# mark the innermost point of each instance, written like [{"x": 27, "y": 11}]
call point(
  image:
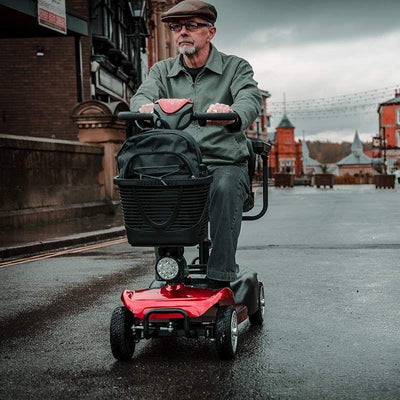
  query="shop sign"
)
[{"x": 51, "y": 14}]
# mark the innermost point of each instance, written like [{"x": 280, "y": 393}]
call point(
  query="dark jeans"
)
[{"x": 229, "y": 189}]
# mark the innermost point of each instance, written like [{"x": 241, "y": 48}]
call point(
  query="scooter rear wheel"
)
[
  {"x": 121, "y": 336},
  {"x": 226, "y": 332},
  {"x": 257, "y": 318}
]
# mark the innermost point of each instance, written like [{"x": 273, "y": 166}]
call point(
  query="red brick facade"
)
[
  {"x": 389, "y": 132},
  {"x": 78, "y": 6},
  {"x": 390, "y": 121},
  {"x": 286, "y": 155},
  {"x": 40, "y": 91}
]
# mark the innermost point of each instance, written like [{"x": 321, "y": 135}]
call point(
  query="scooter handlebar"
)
[
  {"x": 201, "y": 117},
  {"x": 135, "y": 116},
  {"x": 214, "y": 116}
]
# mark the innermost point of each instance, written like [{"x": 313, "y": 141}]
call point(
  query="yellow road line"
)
[{"x": 62, "y": 252}]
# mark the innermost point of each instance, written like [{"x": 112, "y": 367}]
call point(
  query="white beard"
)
[{"x": 187, "y": 50}]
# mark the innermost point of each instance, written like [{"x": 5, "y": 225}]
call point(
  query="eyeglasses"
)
[{"x": 190, "y": 26}]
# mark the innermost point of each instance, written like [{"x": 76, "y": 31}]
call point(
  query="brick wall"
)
[
  {"x": 356, "y": 169},
  {"x": 78, "y": 6},
  {"x": 49, "y": 180},
  {"x": 86, "y": 62},
  {"x": 38, "y": 93},
  {"x": 389, "y": 120},
  {"x": 48, "y": 172}
]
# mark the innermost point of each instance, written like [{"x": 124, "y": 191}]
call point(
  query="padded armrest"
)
[{"x": 260, "y": 147}]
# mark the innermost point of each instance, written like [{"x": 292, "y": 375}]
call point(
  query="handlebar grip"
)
[
  {"x": 215, "y": 116},
  {"x": 135, "y": 116}
]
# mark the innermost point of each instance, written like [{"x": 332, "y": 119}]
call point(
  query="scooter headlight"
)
[{"x": 167, "y": 268}]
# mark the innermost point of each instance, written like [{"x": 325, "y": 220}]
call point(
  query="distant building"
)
[
  {"x": 259, "y": 128},
  {"x": 356, "y": 163},
  {"x": 389, "y": 132},
  {"x": 310, "y": 166},
  {"x": 286, "y": 154}
]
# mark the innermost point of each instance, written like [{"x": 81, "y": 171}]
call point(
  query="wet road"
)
[{"x": 331, "y": 267}]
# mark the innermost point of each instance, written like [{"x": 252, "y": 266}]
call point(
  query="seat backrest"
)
[{"x": 249, "y": 202}]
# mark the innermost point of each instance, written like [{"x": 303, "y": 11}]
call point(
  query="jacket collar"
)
[{"x": 214, "y": 63}]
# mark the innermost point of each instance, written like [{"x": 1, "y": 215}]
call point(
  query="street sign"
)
[{"x": 51, "y": 14}]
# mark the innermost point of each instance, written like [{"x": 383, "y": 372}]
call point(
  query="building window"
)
[
  {"x": 107, "y": 20},
  {"x": 119, "y": 34},
  {"x": 287, "y": 165},
  {"x": 101, "y": 17},
  {"x": 398, "y": 138},
  {"x": 398, "y": 116}
]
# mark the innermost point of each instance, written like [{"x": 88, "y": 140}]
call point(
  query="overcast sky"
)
[{"x": 316, "y": 49}]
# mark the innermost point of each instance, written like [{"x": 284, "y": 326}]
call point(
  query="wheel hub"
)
[
  {"x": 262, "y": 300},
  {"x": 234, "y": 330}
]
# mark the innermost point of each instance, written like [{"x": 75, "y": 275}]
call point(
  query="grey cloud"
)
[{"x": 308, "y": 20}]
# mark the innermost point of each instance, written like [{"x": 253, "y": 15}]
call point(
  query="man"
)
[{"x": 215, "y": 82}]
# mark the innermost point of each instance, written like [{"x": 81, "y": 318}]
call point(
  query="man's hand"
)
[
  {"x": 147, "y": 108},
  {"x": 220, "y": 108}
]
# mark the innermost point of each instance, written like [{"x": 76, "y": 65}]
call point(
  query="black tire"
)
[
  {"x": 226, "y": 332},
  {"x": 257, "y": 318},
  {"x": 121, "y": 336}
]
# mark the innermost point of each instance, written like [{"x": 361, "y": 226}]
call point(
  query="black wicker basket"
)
[{"x": 161, "y": 214}]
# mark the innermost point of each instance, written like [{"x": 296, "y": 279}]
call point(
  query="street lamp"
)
[{"x": 137, "y": 10}]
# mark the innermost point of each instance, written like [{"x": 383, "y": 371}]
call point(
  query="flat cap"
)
[{"x": 191, "y": 8}]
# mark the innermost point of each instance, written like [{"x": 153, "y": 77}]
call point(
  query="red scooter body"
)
[{"x": 196, "y": 302}]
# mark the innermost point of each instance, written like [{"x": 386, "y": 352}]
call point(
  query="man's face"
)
[{"x": 191, "y": 42}]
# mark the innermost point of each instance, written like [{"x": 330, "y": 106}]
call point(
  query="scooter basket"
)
[{"x": 160, "y": 214}]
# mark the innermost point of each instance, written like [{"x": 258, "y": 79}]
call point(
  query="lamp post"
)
[{"x": 137, "y": 9}]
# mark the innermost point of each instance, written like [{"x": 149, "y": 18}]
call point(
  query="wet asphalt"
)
[{"x": 330, "y": 264}]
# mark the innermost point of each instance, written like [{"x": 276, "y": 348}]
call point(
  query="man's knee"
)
[
  {"x": 224, "y": 183},
  {"x": 228, "y": 183}
]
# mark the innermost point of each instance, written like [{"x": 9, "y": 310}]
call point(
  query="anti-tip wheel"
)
[
  {"x": 257, "y": 318},
  {"x": 226, "y": 332},
  {"x": 121, "y": 335}
]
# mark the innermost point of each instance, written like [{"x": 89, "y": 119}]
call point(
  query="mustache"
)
[{"x": 185, "y": 41}]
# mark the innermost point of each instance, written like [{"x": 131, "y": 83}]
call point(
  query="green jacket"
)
[{"x": 225, "y": 79}]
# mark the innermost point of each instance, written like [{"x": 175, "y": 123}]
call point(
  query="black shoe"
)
[{"x": 213, "y": 284}]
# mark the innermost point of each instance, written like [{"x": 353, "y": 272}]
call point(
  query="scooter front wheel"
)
[
  {"x": 257, "y": 318},
  {"x": 226, "y": 332},
  {"x": 121, "y": 335}
]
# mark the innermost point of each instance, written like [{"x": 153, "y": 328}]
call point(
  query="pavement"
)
[
  {"x": 31, "y": 240},
  {"x": 36, "y": 239},
  {"x": 329, "y": 261}
]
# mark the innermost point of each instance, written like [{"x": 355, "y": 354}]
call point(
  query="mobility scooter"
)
[{"x": 164, "y": 189}]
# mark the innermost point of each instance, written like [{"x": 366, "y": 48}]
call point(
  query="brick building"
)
[
  {"x": 102, "y": 56},
  {"x": 286, "y": 154},
  {"x": 388, "y": 140},
  {"x": 71, "y": 87}
]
